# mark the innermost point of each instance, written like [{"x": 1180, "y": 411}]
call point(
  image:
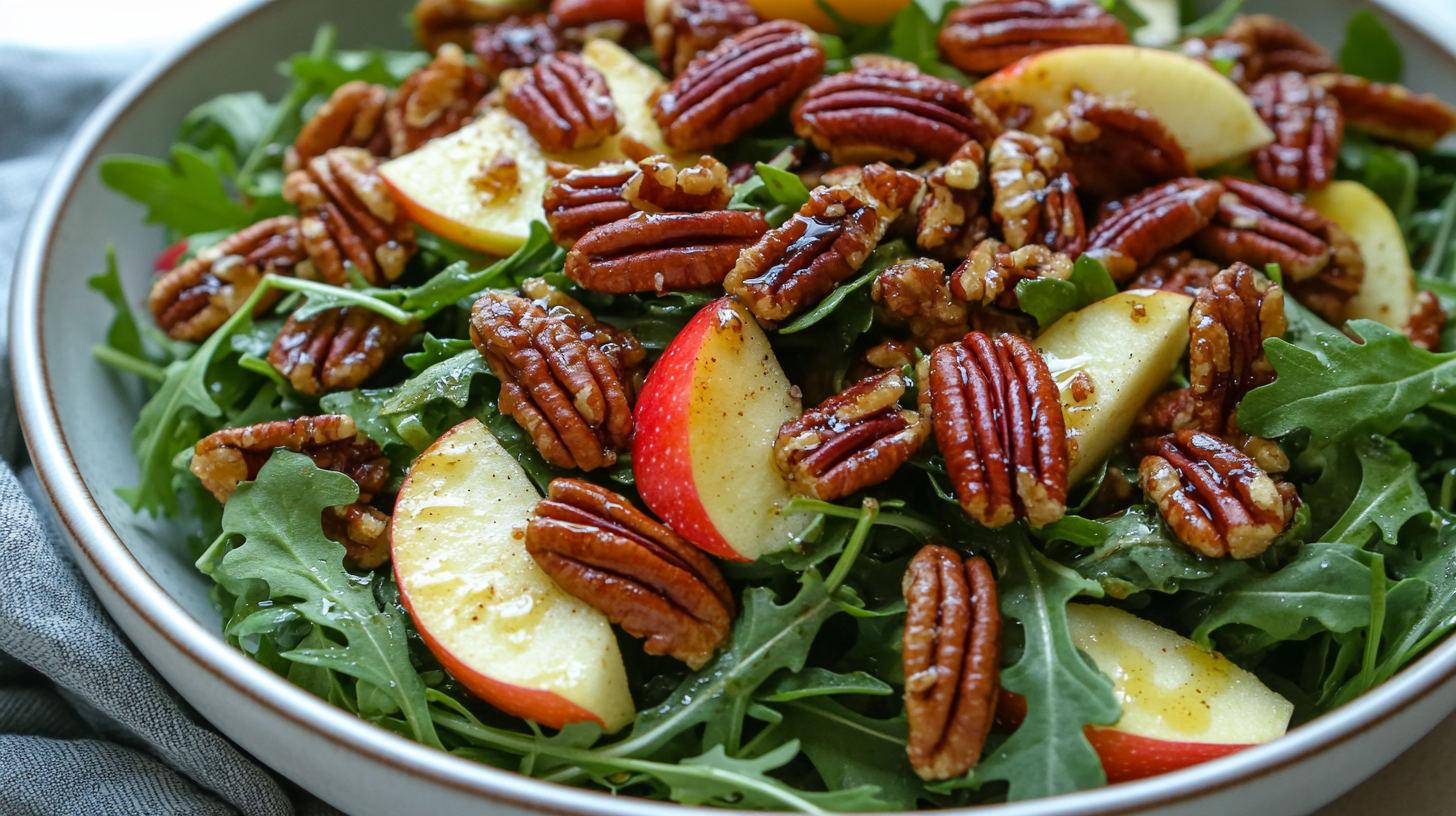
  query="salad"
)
[{"x": 814, "y": 407}]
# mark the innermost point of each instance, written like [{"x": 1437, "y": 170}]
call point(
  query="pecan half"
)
[
  {"x": 348, "y": 216},
  {"x": 990, "y": 273},
  {"x": 918, "y": 291},
  {"x": 738, "y": 85},
  {"x": 364, "y": 532},
  {"x": 353, "y": 116},
  {"x": 191, "y": 301},
  {"x": 440, "y": 21},
  {"x": 1216, "y": 498},
  {"x": 1133, "y": 231},
  {"x": 683, "y": 29},
  {"x": 584, "y": 199},
  {"x": 578, "y": 13},
  {"x": 856, "y": 438},
  {"x": 515, "y": 42},
  {"x": 336, "y": 349},
  {"x": 998, "y": 421},
  {"x": 952, "y": 660},
  {"x": 1176, "y": 272},
  {"x": 1034, "y": 197},
  {"x": 1230, "y": 321},
  {"x": 1260, "y": 225},
  {"x": 826, "y": 241},
  {"x": 984, "y": 37},
  {"x": 1270, "y": 45},
  {"x": 1116, "y": 148},
  {"x": 659, "y": 186},
  {"x": 889, "y": 112},
  {"x": 434, "y": 101},
  {"x": 1308, "y": 129},
  {"x": 563, "y": 101},
  {"x": 597, "y": 546},
  {"x": 663, "y": 252},
  {"x": 1426, "y": 322},
  {"x": 948, "y": 222},
  {"x": 1390, "y": 111},
  {"x": 567, "y": 379}
]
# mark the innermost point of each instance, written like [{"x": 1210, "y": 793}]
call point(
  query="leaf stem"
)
[
  {"x": 122, "y": 361},
  {"x": 912, "y": 524},
  {"x": 288, "y": 106},
  {"x": 1377, "y": 620},
  {"x": 350, "y": 296},
  {"x": 869, "y": 512}
]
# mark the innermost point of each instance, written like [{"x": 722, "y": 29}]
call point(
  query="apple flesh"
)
[
  {"x": 1205, "y": 111},
  {"x": 1128, "y": 344},
  {"x": 1388, "y": 292},
  {"x": 706, "y": 420},
  {"x": 495, "y": 621}
]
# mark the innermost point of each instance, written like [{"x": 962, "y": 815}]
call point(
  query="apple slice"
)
[
  {"x": 487, "y": 612},
  {"x": 1388, "y": 293},
  {"x": 1128, "y": 344},
  {"x": 808, "y": 12},
  {"x": 436, "y": 184},
  {"x": 706, "y": 420},
  {"x": 1207, "y": 113}
]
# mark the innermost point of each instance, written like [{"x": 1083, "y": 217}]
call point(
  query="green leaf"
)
[
  {"x": 851, "y": 750},
  {"x": 1369, "y": 50},
  {"x": 236, "y": 122},
  {"x": 1047, "y": 299},
  {"x": 537, "y": 257},
  {"x": 378, "y": 66},
  {"x": 1441, "y": 262},
  {"x": 1390, "y": 495},
  {"x": 1390, "y": 172},
  {"x": 1124, "y": 12},
  {"x": 122, "y": 334},
  {"x": 185, "y": 195},
  {"x": 1139, "y": 555},
  {"x": 883, "y": 256},
  {"x": 935, "y": 10},
  {"x": 1215, "y": 21},
  {"x": 435, "y": 351},
  {"x": 1431, "y": 559},
  {"x": 449, "y": 380},
  {"x": 278, "y": 516},
  {"x": 816, "y": 682},
  {"x": 782, "y": 186}
]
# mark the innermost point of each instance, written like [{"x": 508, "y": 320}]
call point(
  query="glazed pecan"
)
[
  {"x": 890, "y": 354},
  {"x": 983, "y": 37},
  {"x": 346, "y": 215},
  {"x": 1426, "y": 322},
  {"x": 952, "y": 659},
  {"x": 826, "y": 241},
  {"x": 1116, "y": 148},
  {"x": 518, "y": 41},
  {"x": 440, "y": 21},
  {"x": 918, "y": 291},
  {"x": 1216, "y": 498},
  {"x": 990, "y": 273},
  {"x": 1166, "y": 413},
  {"x": 584, "y": 199},
  {"x": 1308, "y": 129},
  {"x": 1389, "y": 111},
  {"x": 948, "y": 222},
  {"x": 1269, "y": 45},
  {"x": 336, "y": 349},
  {"x": 663, "y": 252},
  {"x": 738, "y": 85},
  {"x": 886, "y": 111},
  {"x": 998, "y": 421},
  {"x": 1230, "y": 321},
  {"x": 1260, "y": 225},
  {"x": 659, "y": 186},
  {"x": 563, "y": 101},
  {"x": 436, "y": 100},
  {"x": 567, "y": 379},
  {"x": 597, "y": 546},
  {"x": 1033, "y": 195},
  {"x": 353, "y": 116},
  {"x": 577, "y": 13},
  {"x": 364, "y": 532},
  {"x": 1176, "y": 272},
  {"x": 683, "y": 29},
  {"x": 1133, "y": 231},
  {"x": 192, "y": 300}
]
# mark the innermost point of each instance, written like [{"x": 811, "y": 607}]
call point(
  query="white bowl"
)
[{"x": 77, "y": 416}]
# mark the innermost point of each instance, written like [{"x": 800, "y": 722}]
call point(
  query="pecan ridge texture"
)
[
  {"x": 948, "y": 220},
  {"x": 660, "y": 186},
  {"x": 662, "y": 252},
  {"x": 563, "y": 101},
  {"x": 918, "y": 291},
  {"x": 683, "y": 29},
  {"x": 434, "y": 101},
  {"x": 347, "y": 216},
  {"x": 983, "y": 37},
  {"x": 1390, "y": 111},
  {"x": 1230, "y": 320},
  {"x": 1134, "y": 230},
  {"x": 336, "y": 349},
  {"x": 353, "y": 116},
  {"x": 1115, "y": 148},
  {"x": 587, "y": 198},
  {"x": 515, "y": 42},
  {"x": 989, "y": 274},
  {"x": 1033, "y": 196},
  {"x": 1308, "y": 129}
]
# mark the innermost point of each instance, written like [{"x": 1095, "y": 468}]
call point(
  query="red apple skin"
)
[{"x": 167, "y": 261}]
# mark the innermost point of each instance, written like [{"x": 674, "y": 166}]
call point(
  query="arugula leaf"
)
[
  {"x": 1369, "y": 50},
  {"x": 772, "y": 189},
  {"x": 537, "y": 257},
  {"x": 236, "y": 122},
  {"x": 185, "y": 195},
  {"x": 1215, "y": 22},
  {"x": 449, "y": 380},
  {"x": 817, "y": 682},
  {"x": 1441, "y": 262},
  {"x": 122, "y": 335},
  {"x": 1047, "y": 299},
  {"x": 1124, "y": 12},
  {"x": 883, "y": 256},
  {"x": 377, "y": 66},
  {"x": 851, "y": 750},
  {"x": 1390, "y": 495},
  {"x": 913, "y": 33},
  {"x": 1430, "y": 558},
  {"x": 1390, "y": 172},
  {"x": 1139, "y": 555},
  {"x": 435, "y": 351}
]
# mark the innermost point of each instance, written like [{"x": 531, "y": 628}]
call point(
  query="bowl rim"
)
[{"x": 110, "y": 560}]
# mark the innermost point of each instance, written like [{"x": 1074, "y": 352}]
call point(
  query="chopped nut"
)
[
  {"x": 990, "y": 273},
  {"x": 918, "y": 291},
  {"x": 1308, "y": 129},
  {"x": 336, "y": 349},
  {"x": 1133, "y": 231},
  {"x": 563, "y": 101},
  {"x": 434, "y": 101},
  {"x": 948, "y": 221},
  {"x": 1425, "y": 324},
  {"x": 683, "y": 29},
  {"x": 584, "y": 199},
  {"x": 1390, "y": 111},
  {"x": 663, "y": 252},
  {"x": 1115, "y": 148},
  {"x": 498, "y": 180},
  {"x": 347, "y": 215},
  {"x": 659, "y": 186},
  {"x": 984, "y": 37},
  {"x": 1034, "y": 198},
  {"x": 353, "y": 116}
]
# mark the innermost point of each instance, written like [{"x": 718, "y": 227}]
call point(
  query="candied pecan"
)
[
  {"x": 1033, "y": 197},
  {"x": 1175, "y": 272},
  {"x": 890, "y": 354},
  {"x": 497, "y": 180},
  {"x": 1132, "y": 231},
  {"x": 434, "y": 101},
  {"x": 990, "y": 273},
  {"x": 515, "y": 42},
  {"x": 998, "y": 421},
  {"x": 983, "y": 37},
  {"x": 348, "y": 216},
  {"x": 578, "y": 13},
  {"x": 1230, "y": 321},
  {"x": 1389, "y": 111},
  {"x": 234, "y": 455},
  {"x": 353, "y": 116},
  {"x": 440, "y": 21},
  {"x": 917, "y": 291},
  {"x": 952, "y": 660},
  {"x": 563, "y": 101},
  {"x": 1216, "y": 498},
  {"x": 1260, "y": 225},
  {"x": 683, "y": 29},
  {"x": 659, "y": 186},
  {"x": 1270, "y": 45},
  {"x": 192, "y": 300},
  {"x": 336, "y": 349},
  {"x": 1308, "y": 129},
  {"x": 948, "y": 222},
  {"x": 1167, "y": 412},
  {"x": 364, "y": 532},
  {"x": 738, "y": 85},
  {"x": 584, "y": 199},
  {"x": 662, "y": 252},
  {"x": 1425, "y": 323},
  {"x": 1116, "y": 148},
  {"x": 567, "y": 379},
  {"x": 597, "y": 546},
  {"x": 891, "y": 113},
  {"x": 826, "y": 241}
]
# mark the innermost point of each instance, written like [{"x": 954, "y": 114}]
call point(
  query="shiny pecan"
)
[
  {"x": 948, "y": 222},
  {"x": 498, "y": 179},
  {"x": 364, "y": 532},
  {"x": 738, "y": 85},
  {"x": 683, "y": 29},
  {"x": 353, "y": 116},
  {"x": 1116, "y": 148},
  {"x": 1260, "y": 225},
  {"x": 579, "y": 13},
  {"x": 434, "y": 101},
  {"x": 659, "y": 186},
  {"x": 584, "y": 199},
  {"x": 1270, "y": 45},
  {"x": 1308, "y": 129},
  {"x": 1390, "y": 111},
  {"x": 440, "y": 21},
  {"x": 889, "y": 112},
  {"x": 563, "y": 101},
  {"x": 856, "y": 438},
  {"x": 1176, "y": 272},
  {"x": 1033, "y": 197},
  {"x": 336, "y": 349},
  {"x": 1216, "y": 498},
  {"x": 663, "y": 252},
  {"x": 1426, "y": 322},
  {"x": 597, "y": 546},
  {"x": 565, "y": 378},
  {"x": 826, "y": 241},
  {"x": 1166, "y": 413},
  {"x": 1133, "y": 231},
  {"x": 191, "y": 301},
  {"x": 919, "y": 292},
  {"x": 952, "y": 660},
  {"x": 984, "y": 37},
  {"x": 990, "y": 273},
  {"x": 518, "y": 41},
  {"x": 1230, "y": 321},
  {"x": 998, "y": 421},
  {"x": 346, "y": 215}
]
